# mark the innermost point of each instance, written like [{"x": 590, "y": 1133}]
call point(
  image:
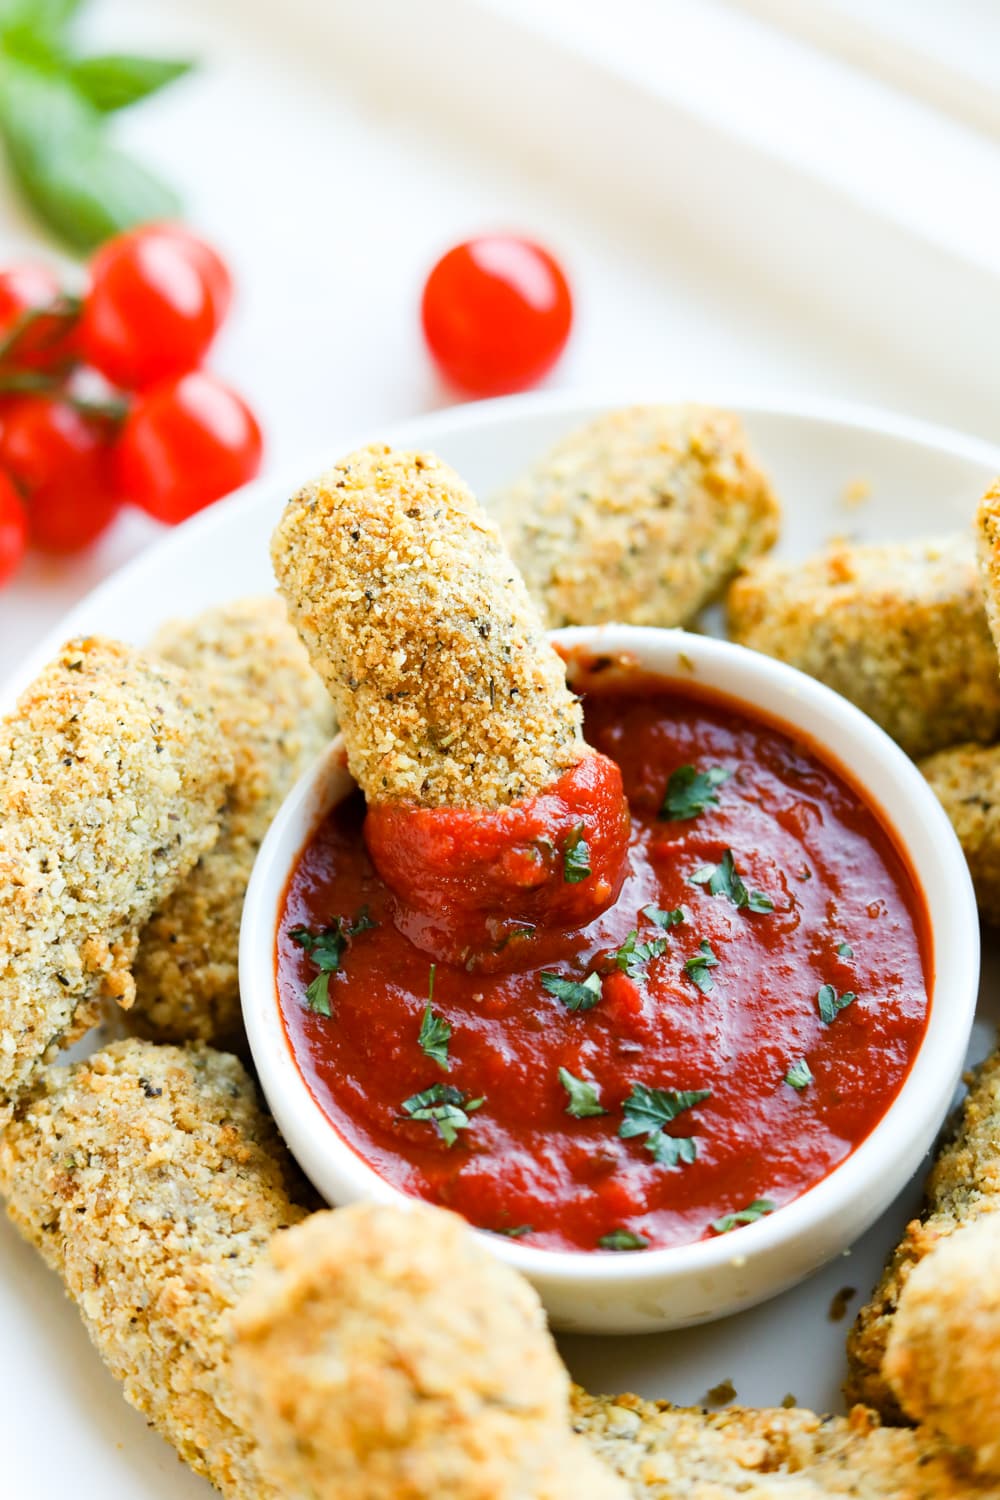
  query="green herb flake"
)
[
  {"x": 435, "y": 1033},
  {"x": 723, "y": 879},
  {"x": 665, "y": 919},
  {"x": 697, "y": 968},
  {"x": 623, "y": 1239},
  {"x": 749, "y": 1215},
  {"x": 799, "y": 1075},
  {"x": 447, "y": 1107},
  {"x": 672, "y": 1150},
  {"x": 572, "y": 993},
  {"x": 515, "y": 1231},
  {"x": 845, "y": 950},
  {"x": 576, "y": 857},
  {"x": 647, "y": 1110},
  {"x": 326, "y": 949},
  {"x": 690, "y": 792},
  {"x": 633, "y": 956},
  {"x": 830, "y": 1004},
  {"x": 584, "y": 1100}
]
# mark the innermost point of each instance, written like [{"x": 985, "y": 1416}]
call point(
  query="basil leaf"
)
[
  {"x": 573, "y": 994},
  {"x": 447, "y": 1107},
  {"x": 845, "y": 950},
  {"x": 584, "y": 1099},
  {"x": 576, "y": 857},
  {"x": 40, "y": 18},
  {"x": 647, "y": 1110},
  {"x": 697, "y": 968},
  {"x": 633, "y": 956},
  {"x": 690, "y": 792},
  {"x": 749, "y": 1215},
  {"x": 435, "y": 1033},
  {"x": 118, "y": 79},
  {"x": 325, "y": 949},
  {"x": 672, "y": 1150},
  {"x": 799, "y": 1075},
  {"x": 318, "y": 995},
  {"x": 723, "y": 879},
  {"x": 830, "y": 1004},
  {"x": 665, "y": 919},
  {"x": 623, "y": 1239}
]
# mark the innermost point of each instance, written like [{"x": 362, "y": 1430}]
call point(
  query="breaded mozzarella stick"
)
[
  {"x": 899, "y": 629},
  {"x": 966, "y": 781},
  {"x": 276, "y": 717},
  {"x": 151, "y": 1181},
  {"x": 447, "y": 692},
  {"x": 385, "y": 1355},
  {"x": 642, "y": 516},
  {"x": 113, "y": 775},
  {"x": 988, "y": 555}
]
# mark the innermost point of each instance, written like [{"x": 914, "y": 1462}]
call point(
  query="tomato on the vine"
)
[
  {"x": 13, "y": 530},
  {"x": 59, "y": 459},
  {"x": 37, "y": 320},
  {"x": 496, "y": 312},
  {"x": 157, "y": 297},
  {"x": 184, "y": 444}
]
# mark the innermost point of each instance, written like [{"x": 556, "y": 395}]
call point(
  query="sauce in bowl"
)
[{"x": 712, "y": 1045}]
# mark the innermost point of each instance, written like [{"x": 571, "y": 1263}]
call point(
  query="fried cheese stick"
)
[
  {"x": 899, "y": 629},
  {"x": 276, "y": 717},
  {"x": 385, "y": 1355},
  {"x": 964, "y": 1185},
  {"x": 988, "y": 555},
  {"x": 641, "y": 516},
  {"x": 151, "y": 1180},
  {"x": 943, "y": 1354},
  {"x": 447, "y": 691},
  {"x": 966, "y": 781},
  {"x": 113, "y": 775}
]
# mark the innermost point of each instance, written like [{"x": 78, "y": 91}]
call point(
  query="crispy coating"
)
[
  {"x": 988, "y": 554},
  {"x": 151, "y": 1181},
  {"x": 944, "y": 1346},
  {"x": 113, "y": 775},
  {"x": 642, "y": 516},
  {"x": 385, "y": 1355},
  {"x": 420, "y": 625},
  {"x": 964, "y": 1184},
  {"x": 899, "y": 629},
  {"x": 276, "y": 717},
  {"x": 967, "y": 783},
  {"x": 671, "y": 1453}
]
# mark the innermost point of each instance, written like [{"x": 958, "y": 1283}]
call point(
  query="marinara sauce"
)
[{"x": 742, "y": 1015}]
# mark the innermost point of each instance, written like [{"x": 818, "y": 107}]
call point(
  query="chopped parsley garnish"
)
[
  {"x": 325, "y": 950},
  {"x": 435, "y": 1032},
  {"x": 633, "y": 956},
  {"x": 672, "y": 1150},
  {"x": 515, "y": 1231},
  {"x": 646, "y": 1111},
  {"x": 697, "y": 968},
  {"x": 830, "y": 1004},
  {"x": 664, "y": 919},
  {"x": 584, "y": 1099},
  {"x": 723, "y": 879},
  {"x": 623, "y": 1239},
  {"x": 749, "y": 1215},
  {"x": 447, "y": 1107},
  {"x": 799, "y": 1075},
  {"x": 576, "y": 857},
  {"x": 845, "y": 950},
  {"x": 690, "y": 792},
  {"x": 575, "y": 995}
]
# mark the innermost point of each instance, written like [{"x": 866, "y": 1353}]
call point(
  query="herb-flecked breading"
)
[
  {"x": 113, "y": 775},
  {"x": 898, "y": 628},
  {"x": 276, "y": 717},
  {"x": 642, "y": 516},
  {"x": 669, "y": 1452},
  {"x": 383, "y": 1353},
  {"x": 447, "y": 692},
  {"x": 966, "y": 781},
  {"x": 988, "y": 555},
  {"x": 963, "y": 1185},
  {"x": 151, "y": 1180}
]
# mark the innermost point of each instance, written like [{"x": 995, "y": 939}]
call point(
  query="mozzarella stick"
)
[
  {"x": 899, "y": 629},
  {"x": 447, "y": 692},
  {"x": 641, "y": 516},
  {"x": 113, "y": 775},
  {"x": 943, "y": 1354},
  {"x": 967, "y": 783},
  {"x": 964, "y": 1185},
  {"x": 988, "y": 555},
  {"x": 151, "y": 1181},
  {"x": 385, "y": 1355},
  {"x": 276, "y": 717}
]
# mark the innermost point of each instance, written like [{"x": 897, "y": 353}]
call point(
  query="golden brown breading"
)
[
  {"x": 963, "y": 1185},
  {"x": 112, "y": 778},
  {"x": 276, "y": 716},
  {"x": 420, "y": 625},
  {"x": 384, "y": 1354},
  {"x": 899, "y": 629},
  {"x": 943, "y": 1355},
  {"x": 642, "y": 516},
  {"x": 988, "y": 553},
  {"x": 151, "y": 1180},
  {"x": 672, "y": 1453},
  {"x": 967, "y": 783}
]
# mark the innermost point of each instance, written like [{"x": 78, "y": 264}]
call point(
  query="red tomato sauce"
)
[{"x": 813, "y": 905}]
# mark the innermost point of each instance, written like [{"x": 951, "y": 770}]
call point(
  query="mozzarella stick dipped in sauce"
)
[
  {"x": 113, "y": 776},
  {"x": 384, "y": 1355},
  {"x": 457, "y": 720}
]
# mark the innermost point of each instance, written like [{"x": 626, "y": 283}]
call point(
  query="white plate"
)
[{"x": 63, "y": 1425}]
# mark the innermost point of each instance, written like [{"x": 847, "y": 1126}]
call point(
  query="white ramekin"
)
[{"x": 686, "y": 1284}]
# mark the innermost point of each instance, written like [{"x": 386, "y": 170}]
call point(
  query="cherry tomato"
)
[
  {"x": 157, "y": 298},
  {"x": 13, "y": 530},
  {"x": 186, "y": 443},
  {"x": 60, "y": 460},
  {"x": 30, "y": 338},
  {"x": 496, "y": 313}
]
